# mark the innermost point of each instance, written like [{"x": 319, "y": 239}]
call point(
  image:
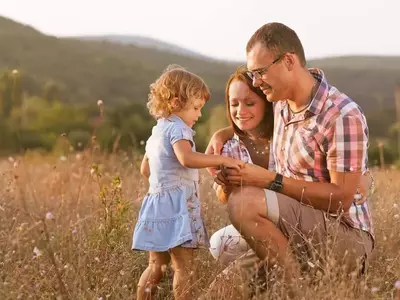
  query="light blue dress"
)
[{"x": 170, "y": 212}]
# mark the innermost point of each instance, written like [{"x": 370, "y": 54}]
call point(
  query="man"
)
[{"x": 304, "y": 215}]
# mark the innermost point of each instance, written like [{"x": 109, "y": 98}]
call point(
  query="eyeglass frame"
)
[{"x": 259, "y": 73}]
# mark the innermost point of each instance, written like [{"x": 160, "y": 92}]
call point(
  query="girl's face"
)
[
  {"x": 246, "y": 107},
  {"x": 191, "y": 112}
]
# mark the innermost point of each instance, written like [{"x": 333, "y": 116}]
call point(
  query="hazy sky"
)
[{"x": 221, "y": 28}]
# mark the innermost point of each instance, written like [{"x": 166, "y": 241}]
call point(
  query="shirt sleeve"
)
[
  {"x": 347, "y": 145},
  {"x": 181, "y": 133}
]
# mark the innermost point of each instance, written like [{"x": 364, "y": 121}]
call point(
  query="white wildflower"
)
[
  {"x": 63, "y": 158},
  {"x": 11, "y": 159},
  {"x": 311, "y": 264},
  {"x": 374, "y": 289},
  {"x": 397, "y": 285},
  {"x": 164, "y": 268},
  {"x": 49, "y": 216},
  {"x": 37, "y": 252},
  {"x": 100, "y": 102}
]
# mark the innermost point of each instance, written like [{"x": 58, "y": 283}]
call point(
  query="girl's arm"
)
[
  {"x": 190, "y": 159},
  {"x": 144, "y": 167}
]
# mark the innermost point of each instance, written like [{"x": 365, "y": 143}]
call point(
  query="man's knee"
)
[{"x": 245, "y": 204}]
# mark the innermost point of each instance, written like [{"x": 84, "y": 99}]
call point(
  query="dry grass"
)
[{"x": 66, "y": 229}]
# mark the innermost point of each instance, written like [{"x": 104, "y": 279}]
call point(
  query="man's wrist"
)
[{"x": 277, "y": 184}]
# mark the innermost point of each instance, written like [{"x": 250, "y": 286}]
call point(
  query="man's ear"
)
[{"x": 290, "y": 60}]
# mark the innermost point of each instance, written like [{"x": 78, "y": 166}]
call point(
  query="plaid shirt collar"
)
[{"x": 319, "y": 99}]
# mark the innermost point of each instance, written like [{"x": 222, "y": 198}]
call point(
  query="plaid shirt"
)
[{"x": 331, "y": 135}]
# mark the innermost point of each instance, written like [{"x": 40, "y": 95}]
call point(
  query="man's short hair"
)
[{"x": 278, "y": 38}]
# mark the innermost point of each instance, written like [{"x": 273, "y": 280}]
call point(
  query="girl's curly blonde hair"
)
[{"x": 175, "y": 82}]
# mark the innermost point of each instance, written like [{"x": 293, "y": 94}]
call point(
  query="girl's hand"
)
[{"x": 233, "y": 163}]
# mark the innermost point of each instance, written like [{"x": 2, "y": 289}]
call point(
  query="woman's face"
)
[{"x": 246, "y": 107}]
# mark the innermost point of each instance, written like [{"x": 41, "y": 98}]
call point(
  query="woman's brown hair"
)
[{"x": 266, "y": 126}]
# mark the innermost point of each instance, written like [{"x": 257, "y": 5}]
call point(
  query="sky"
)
[{"x": 221, "y": 28}]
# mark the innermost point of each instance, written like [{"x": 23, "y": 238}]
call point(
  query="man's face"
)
[{"x": 272, "y": 77}]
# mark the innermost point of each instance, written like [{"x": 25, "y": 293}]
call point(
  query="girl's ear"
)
[{"x": 174, "y": 103}]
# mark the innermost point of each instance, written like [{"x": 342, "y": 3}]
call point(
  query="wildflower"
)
[
  {"x": 164, "y": 268},
  {"x": 100, "y": 103},
  {"x": 397, "y": 285},
  {"x": 63, "y": 158},
  {"x": 374, "y": 289},
  {"x": 37, "y": 252},
  {"x": 49, "y": 216},
  {"x": 11, "y": 159}
]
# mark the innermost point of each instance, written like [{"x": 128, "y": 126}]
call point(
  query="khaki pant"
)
[{"x": 316, "y": 238}]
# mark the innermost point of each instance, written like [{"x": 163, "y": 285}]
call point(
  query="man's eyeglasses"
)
[{"x": 259, "y": 73}]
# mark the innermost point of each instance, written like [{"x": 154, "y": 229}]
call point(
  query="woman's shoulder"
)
[{"x": 235, "y": 148}]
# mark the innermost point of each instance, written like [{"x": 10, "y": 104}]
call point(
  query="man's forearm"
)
[{"x": 321, "y": 195}]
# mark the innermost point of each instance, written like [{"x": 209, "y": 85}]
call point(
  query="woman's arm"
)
[
  {"x": 216, "y": 144},
  {"x": 144, "y": 167}
]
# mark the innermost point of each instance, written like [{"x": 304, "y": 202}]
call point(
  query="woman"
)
[{"x": 251, "y": 117}]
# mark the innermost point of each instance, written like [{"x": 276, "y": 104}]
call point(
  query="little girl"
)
[{"x": 169, "y": 224}]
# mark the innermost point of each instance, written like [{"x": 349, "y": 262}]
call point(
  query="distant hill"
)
[
  {"x": 120, "y": 69},
  {"x": 142, "y": 41}
]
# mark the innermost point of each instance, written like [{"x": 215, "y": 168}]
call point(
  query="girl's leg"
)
[
  {"x": 185, "y": 273},
  {"x": 147, "y": 286}
]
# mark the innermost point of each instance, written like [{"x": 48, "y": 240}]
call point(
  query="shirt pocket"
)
[{"x": 303, "y": 148}]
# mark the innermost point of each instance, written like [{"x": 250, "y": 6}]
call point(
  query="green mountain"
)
[{"x": 120, "y": 69}]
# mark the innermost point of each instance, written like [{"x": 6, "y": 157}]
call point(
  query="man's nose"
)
[{"x": 256, "y": 81}]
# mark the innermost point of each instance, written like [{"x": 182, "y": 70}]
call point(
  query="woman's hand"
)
[
  {"x": 250, "y": 174},
  {"x": 216, "y": 144}
]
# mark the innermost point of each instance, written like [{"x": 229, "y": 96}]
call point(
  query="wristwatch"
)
[{"x": 277, "y": 184}]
